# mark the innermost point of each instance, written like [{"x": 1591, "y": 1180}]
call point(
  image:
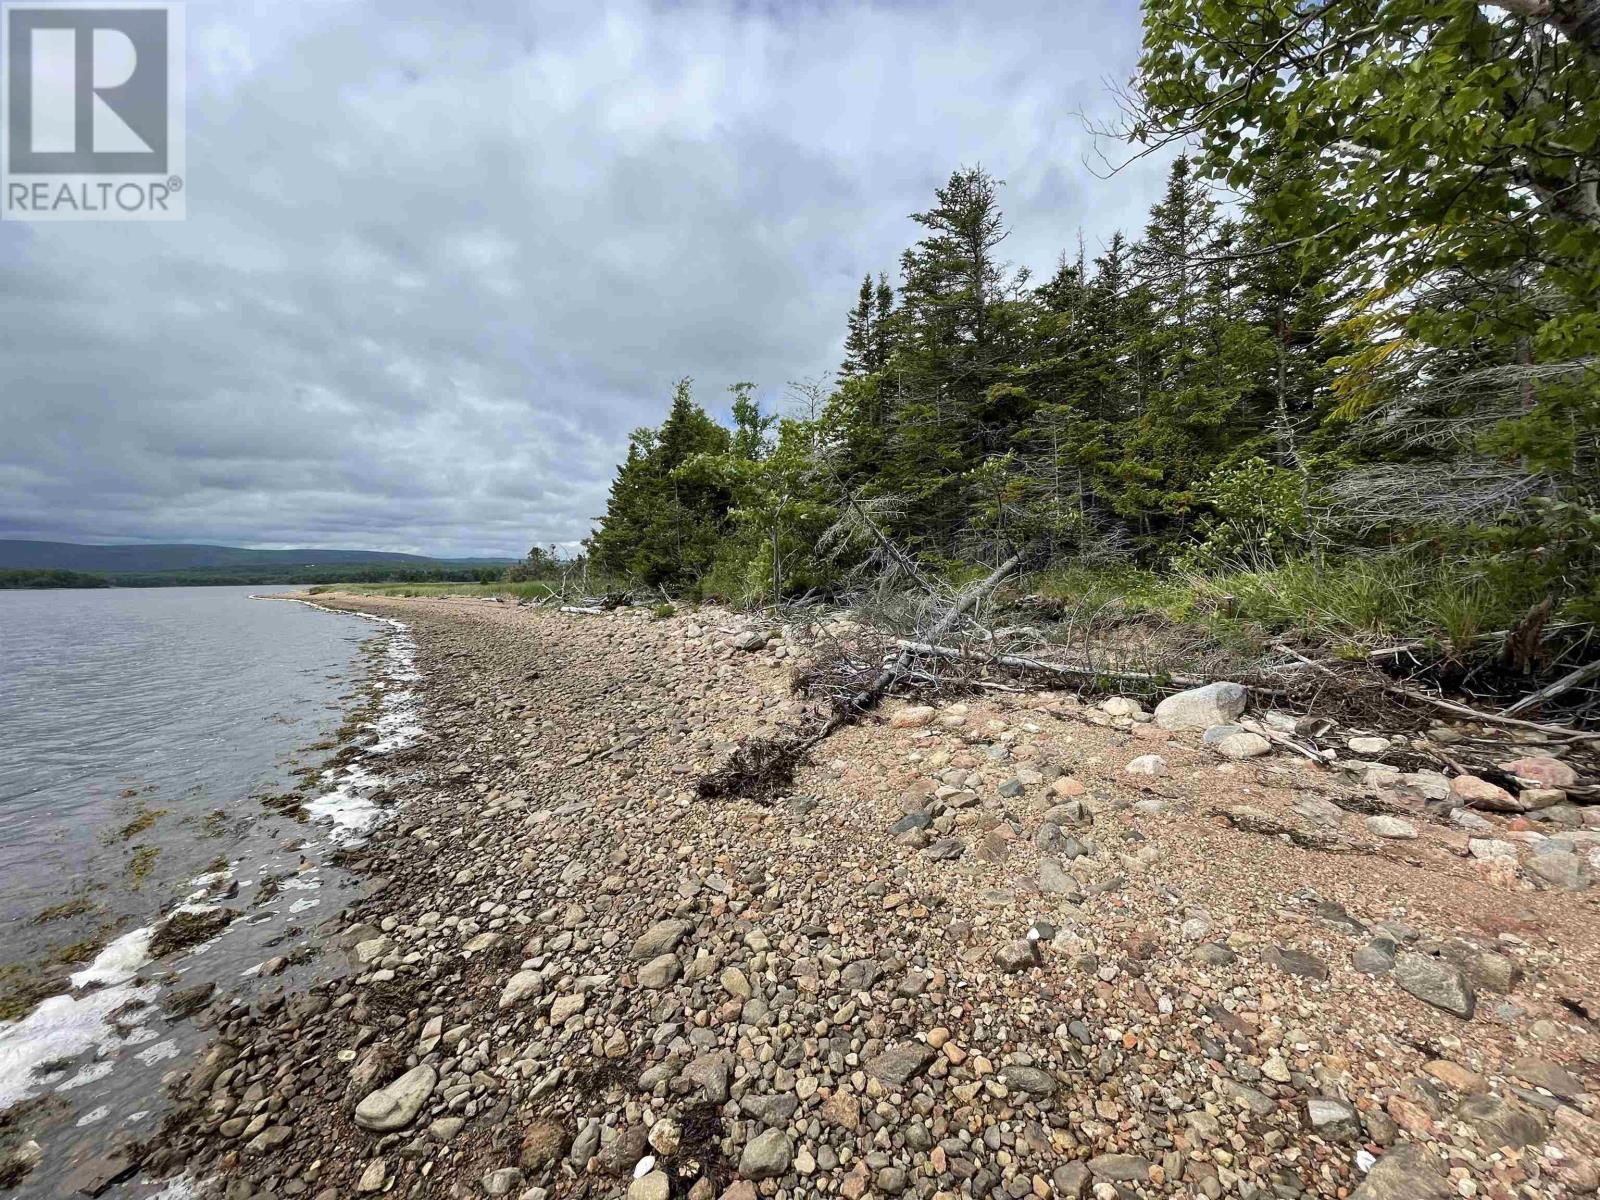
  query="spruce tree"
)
[{"x": 858, "y": 340}]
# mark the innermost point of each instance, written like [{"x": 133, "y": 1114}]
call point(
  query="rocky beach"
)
[{"x": 1008, "y": 944}]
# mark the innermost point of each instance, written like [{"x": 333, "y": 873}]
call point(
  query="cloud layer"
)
[{"x": 442, "y": 257}]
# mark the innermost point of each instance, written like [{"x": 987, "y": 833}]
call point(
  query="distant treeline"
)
[
  {"x": 11, "y": 580},
  {"x": 250, "y": 576}
]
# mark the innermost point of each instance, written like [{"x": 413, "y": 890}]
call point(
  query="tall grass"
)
[{"x": 1359, "y": 601}]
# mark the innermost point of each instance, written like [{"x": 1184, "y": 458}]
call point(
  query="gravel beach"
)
[{"x": 1012, "y": 945}]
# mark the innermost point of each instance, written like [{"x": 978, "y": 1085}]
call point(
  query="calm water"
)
[{"x": 144, "y": 734}]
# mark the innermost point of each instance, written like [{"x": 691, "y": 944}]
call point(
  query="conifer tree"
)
[{"x": 858, "y": 340}]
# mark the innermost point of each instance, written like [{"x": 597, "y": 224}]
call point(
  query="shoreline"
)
[
  {"x": 139, "y": 985},
  {"x": 972, "y": 954}
]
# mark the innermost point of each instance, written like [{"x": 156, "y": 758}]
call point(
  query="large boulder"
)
[
  {"x": 1202, "y": 707},
  {"x": 912, "y": 716},
  {"x": 397, "y": 1105},
  {"x": 1472, "y": 792},
  {"x": 1436, "y": 981},
  {"x": 1242, "y": 744},
  {"x": 767, "y": 1156},
  {"x": 1405, "y": 1173},
  {"x": 1544, "y": 772}
]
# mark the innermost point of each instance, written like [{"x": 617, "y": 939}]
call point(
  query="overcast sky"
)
[{"x": 442, "y": 255}]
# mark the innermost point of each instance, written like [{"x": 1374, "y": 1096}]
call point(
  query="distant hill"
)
[{"x": 124, "y": 560}]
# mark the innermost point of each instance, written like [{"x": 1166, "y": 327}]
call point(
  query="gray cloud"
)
[{"x": 440, "y": 258}]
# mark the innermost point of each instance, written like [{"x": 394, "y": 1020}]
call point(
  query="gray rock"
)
[
  {"x": 1217, "y": 732},
  {"x": 1407, "y": 1172},
  {"x": 1122, "y": 1168},
  {"x": 1242, "y": 745},
  {"x": 1499, "y": 1124},
  {"x": 1333, "y": 1119},
  {"x": 397, "y": 1105},
  {"x": 920, "y": 819},
  {"x": 520, "y": 987},
  {"x": 584, "y": 1146},
  {"x": 860, "y": 975},
  {"x": 1071, "y": 1181},
  {"x": 1425, "y": 785},
  {"x": 653, "y": 1186},
  {"x": 774, "y": 1111},
  {"x": 1147, "y": 764},
  {"x": 1318, "y": 811},
  {"x": 1242, "y": 1095},
  {"x": 767, "y": 1156},
  {"x": 712, "y": 1072},
  {"x": 626, "y": 1149},
  {"x": 445, "y": 1129},
  {"x": 1016, "y": 956},
  {"x": 1562, "y": 870},
  {"x": 1333, "y": 913},
  {"x": 753, "y": 640},
  {"x": 500, "y": 1183},
  {"x": 1214, "y": 954},
  {"x": 1394, "y": 828},
  {"x": 1202, "y": 707},
  {"x": 1054, "y": 880},
  {"x": 1071, "y": 814},
  {"x": 1436, "y": 981},
  {"x": 660, "y": 938},
  {"x": 1297, "y": 962},
  {"x": 946, "y": 850},
  {"x": 1029, "y": 1079},
  {"x": 1051, "y": 840},
  {"x": 900, "y": 1064},
  {"x": 1552, "y": 1077},
  {"x": 1376, "y": 957},
  {"x": 660, "y": 972}
]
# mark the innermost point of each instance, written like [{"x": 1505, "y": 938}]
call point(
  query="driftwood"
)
[
  {"x": 1565, "y": 684},
  {"x": 764, "y": 769},
  {"x": 1018, "y": 662},
  {"x": 964, "y": 604},
  {"x": 1562, "y": 731}
]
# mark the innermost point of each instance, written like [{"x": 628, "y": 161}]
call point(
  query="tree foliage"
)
[{"x": 1364, "y": 314}]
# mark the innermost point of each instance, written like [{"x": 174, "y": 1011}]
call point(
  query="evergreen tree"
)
[
  {"x": 882, "y": 340},
  {"x": 956, "y": 340},
  {"x": 858, "y": 340},
  {"x": 661, "y": 527}
]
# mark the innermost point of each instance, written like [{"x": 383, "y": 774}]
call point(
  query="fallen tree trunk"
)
[
  {"x": 1018, "y": 662},
  {"x": 1565, "y": 684},
  {"x": 1490, "y": 718},
  {"x": 764, "y": 769},
  {"x": 964, "y": 604}
]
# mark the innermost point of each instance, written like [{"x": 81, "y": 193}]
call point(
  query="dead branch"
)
[
  {"x": 1565, "y": 684},
  {"x": 1017, "y": 662},
  {"x": 1576, "y": 735},
  {"x": 763, "y": 769},
  {"x": 887, "y": 677}
]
